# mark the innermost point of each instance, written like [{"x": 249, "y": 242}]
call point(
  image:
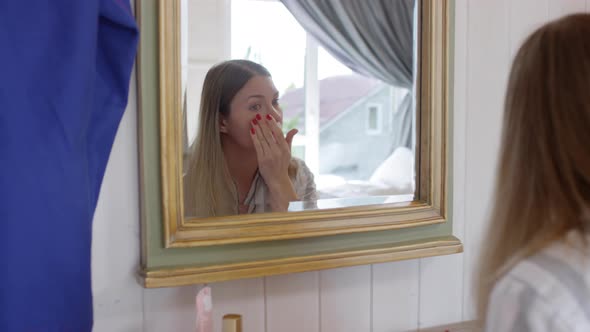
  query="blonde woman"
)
[
  {"x": 536, "y": 270},
  {"x": 241, "y": 161}
]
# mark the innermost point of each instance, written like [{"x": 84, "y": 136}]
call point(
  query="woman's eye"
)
[
  {"x": 275, "y": 102},
  {"x": 256, "y": 107}
]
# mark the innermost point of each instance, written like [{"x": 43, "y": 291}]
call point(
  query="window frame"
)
[{"x": 379, "y": 119}]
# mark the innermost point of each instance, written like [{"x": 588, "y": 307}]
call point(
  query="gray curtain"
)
[{"x": 372, "y": 37}]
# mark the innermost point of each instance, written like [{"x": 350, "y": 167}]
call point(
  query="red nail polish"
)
[
  {"x": 254, "y": 122},
  {"x": 268, "y": 117},
  {"x": 258, "y": 117},
  {"x": 253, "y": 131}
]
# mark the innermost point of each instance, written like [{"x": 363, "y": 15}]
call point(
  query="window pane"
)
[
  {"x": 328, "y": 66},
  {"x": 373, "y": 118},
  {"x": 277, "y": 41},
  {"x": 357, "y": 115}
]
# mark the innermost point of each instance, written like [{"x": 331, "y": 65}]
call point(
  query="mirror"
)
[
  {"x": 367, "y": 93},
  {"x": 347, "y": 84},
  {"x": 351, "y": 223}
]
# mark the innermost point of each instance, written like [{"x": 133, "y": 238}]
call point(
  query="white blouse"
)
[
  {"x": 303, "y": 183},
  {"x": 549, "y": 291}
]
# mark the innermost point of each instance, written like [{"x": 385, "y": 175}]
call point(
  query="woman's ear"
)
[{"x": 222, "y": 125}]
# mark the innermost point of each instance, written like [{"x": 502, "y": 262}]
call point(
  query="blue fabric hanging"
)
[{"x": 65, "y": 67}]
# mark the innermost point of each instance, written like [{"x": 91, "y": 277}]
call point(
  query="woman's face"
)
[{"x": 258, "y": 96}]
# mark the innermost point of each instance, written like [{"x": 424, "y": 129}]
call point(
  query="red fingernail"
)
[
  {"x": 268, "y": 117},
  {"x": 255, "y": 122},
  {"x": 258, "y": 117},
  {"x": 253, "y": 131}
]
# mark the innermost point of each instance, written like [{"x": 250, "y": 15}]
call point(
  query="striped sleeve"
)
[
  {"x": 546, "y": 292},
  {"x": 304, "y": 183},
  {"x": 517, "y": 307}
]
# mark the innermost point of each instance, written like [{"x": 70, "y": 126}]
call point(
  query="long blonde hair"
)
[
  {"x": 543, "y": 178},
  {"x": 208, "y": 187}
]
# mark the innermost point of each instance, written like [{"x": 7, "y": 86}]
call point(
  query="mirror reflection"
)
[{"x": 297, "y": 105}]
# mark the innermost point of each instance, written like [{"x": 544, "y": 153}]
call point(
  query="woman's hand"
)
[{"x": 273, "y": 152}]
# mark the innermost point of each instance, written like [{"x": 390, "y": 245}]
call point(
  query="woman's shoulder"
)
[
  {"x": 304, "y": 181},
  {"x": 298, "y": 161},
  {"x": 553, "y": 284},
  {"x": 302, "y": 168},
  {"x": 562, "y": 265}
]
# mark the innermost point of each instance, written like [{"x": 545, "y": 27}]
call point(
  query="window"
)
[
  {"x": 277, "y": 41},
  {"x": 325, "y": 100},
  {"x": 374, "y": 119}
]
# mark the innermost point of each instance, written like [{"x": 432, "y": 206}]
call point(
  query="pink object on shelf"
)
[{"x": 204, "y": 314}]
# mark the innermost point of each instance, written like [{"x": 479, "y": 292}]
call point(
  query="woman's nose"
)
[{"x": 275, "y": 112}]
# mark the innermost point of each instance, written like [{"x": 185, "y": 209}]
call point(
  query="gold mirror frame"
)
[
  {"x": 176, "y": 251},
  {"x": 429, "y": 206}
]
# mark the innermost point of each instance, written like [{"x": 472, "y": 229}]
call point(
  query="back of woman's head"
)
[
  {"x": 543, "y": 179},
  {"x": 208, "y": 190}
]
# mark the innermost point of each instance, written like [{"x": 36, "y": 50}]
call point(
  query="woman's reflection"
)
[{"x": 241, "y": 162}]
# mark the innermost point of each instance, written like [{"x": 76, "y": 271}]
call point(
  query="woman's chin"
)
[{"x": 248, "y": 147}]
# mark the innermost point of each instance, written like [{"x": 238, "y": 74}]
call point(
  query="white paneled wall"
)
[
  {"x": 293, "y": 300},
  {"x": 485, "y": 71},
  {"x": 118, "y": 300},
  {"x": 386, "y": 297},
  {"x": 345, "y": 299},
  {"x": 395, "y": 296}
]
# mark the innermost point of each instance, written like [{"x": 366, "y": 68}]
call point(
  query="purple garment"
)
[{"x": 65, "y": 67}]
